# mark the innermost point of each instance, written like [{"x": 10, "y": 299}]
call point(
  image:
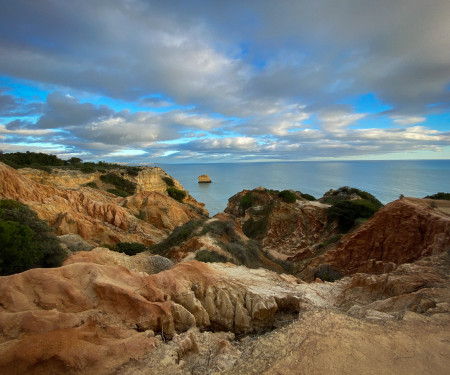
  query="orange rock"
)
[
  {"x": 97, "y": 215},
  {"x": 401, "y": 232}
]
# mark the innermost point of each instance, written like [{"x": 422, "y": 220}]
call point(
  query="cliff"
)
[
  {"x": 95, "y": 214},
  {"x": 284, "y": 229},
  {"x": 401, "y": 232}
]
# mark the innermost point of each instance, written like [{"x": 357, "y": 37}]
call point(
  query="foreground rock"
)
[
  {"x": 97, "y": 215},
  {"x": 89, "y": 318},
  {"x": 98, "y": 318}
]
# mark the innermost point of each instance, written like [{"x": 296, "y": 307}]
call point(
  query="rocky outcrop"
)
[
  {"x": 97, "y": 215},
  {"x": 86, "y": 318},
  {"x": 142, "y": 262},
  {"x": 401, "y": 232},
  {"x": 60, "y": 178},
  {"x": 74, "y": 243},
  {"x": 162, "y": 211},
  {"x": 284, "y": 229},
  {"x": 204, "y": 178},
  {"x": 76, "y": 317}
]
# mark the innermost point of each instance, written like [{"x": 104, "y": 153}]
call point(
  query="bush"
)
[
  {"x": 346, "y": 212},
  {"x": 288, "y": 196},
  {"x": 31, "y": 159},
  {"x": 179, "y": 235},
  {"x": 91, "y": 184},
  {"x": 256, "y": 229},
  {"x": 129, "y": 248},
  {"x": 440, "y": 195},
  {"x": 26, "y": 241},
  {"x": 88, "y": 169},
  {"x": 120, "y": 183},
  {"x": 246, "y": 201},
  {"x": 344, "y": 193},
  {"x": 133, "y": 171},
  {"x": 210, "y": 257},
  {"x": 176, "y": 194},
  {"x": 168, "y": 181},
  {"x": 308, "y": 197}
]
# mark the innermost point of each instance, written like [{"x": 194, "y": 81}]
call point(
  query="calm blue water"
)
[{"x": 384, "y": 179}]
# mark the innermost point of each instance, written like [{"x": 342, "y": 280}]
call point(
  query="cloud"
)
[
  {"x": 408, "y": 120},
  {"x": 237, "y": 79}
]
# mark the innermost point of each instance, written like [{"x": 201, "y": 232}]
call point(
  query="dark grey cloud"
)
[{"x": 62, "y": 111}]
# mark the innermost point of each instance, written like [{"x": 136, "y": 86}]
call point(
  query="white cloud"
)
[{"x": 408, "y": 120}]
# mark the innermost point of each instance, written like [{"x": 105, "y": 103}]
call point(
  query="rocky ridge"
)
[{"x": 97, "y": 215}]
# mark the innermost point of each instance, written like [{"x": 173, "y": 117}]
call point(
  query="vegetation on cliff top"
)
[
  {"x": 348, "y": 205},
  {"x": 26, "y": 241},
  {"x": 440, "y": 196},
  {"x": 39, "y": 160}
]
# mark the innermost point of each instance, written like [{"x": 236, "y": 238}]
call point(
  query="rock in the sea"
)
[{"x": 204, "y": 179}]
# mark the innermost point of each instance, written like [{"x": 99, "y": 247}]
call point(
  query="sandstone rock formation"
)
[
  {"x": 90, "y": 318},
  {"x": 87, "y": 318},
  {"x": 284, "y": 229},
  {"x": 97, "y": 215},
  {"x": 401, "y": 232},
  {"x": 204, "y": 178}
]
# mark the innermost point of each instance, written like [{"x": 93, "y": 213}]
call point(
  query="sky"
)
[{"x": 143, "y": 82}]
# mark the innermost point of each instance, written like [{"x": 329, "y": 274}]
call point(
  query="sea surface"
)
[{"x": 384, "y": 179}]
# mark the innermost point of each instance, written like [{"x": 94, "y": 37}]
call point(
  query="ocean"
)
[{"x": 384, "y": 179}]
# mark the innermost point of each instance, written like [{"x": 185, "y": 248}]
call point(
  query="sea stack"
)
[{"x": 204, "y": 179}]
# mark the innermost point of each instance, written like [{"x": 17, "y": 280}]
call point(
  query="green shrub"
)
[
  {"x": 168, "y": 181},
  {"x": 440, "y": 195},
  {"x": 129, "y": 248},
  {"x": 26, "y": 241},
  {"x": 179, "y": 235},
  {"x": 308, "y": 197},
  {"x": 346, "y": 212},
  {"x": 288, "y": 196},
  {"x": 120, "y": 183},
  {"x": 246, "y": 201},
  {"x": 256, "y": 229},
  {"x": 247, "y": 253},
  {"x": 344, "y": 193},
  {"x": 220, "y": 228},
  {"x": 91, "y": 184},
  {"x": 88, "y": 169},
  {"x": 176, "y": 194},
  {"x": 133, "y": 171},
  {"x": 31, "y": 159},
  {"x": 210, "y": 257}
]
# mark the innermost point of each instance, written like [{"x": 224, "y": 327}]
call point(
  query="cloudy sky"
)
[{"x": 226, "y": 81}]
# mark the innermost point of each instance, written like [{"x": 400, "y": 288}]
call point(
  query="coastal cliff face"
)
[
  {"x": 284, "y": 229},
  {"x": 95, "y": 214},
  {"x": 401, "y": 232}
]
